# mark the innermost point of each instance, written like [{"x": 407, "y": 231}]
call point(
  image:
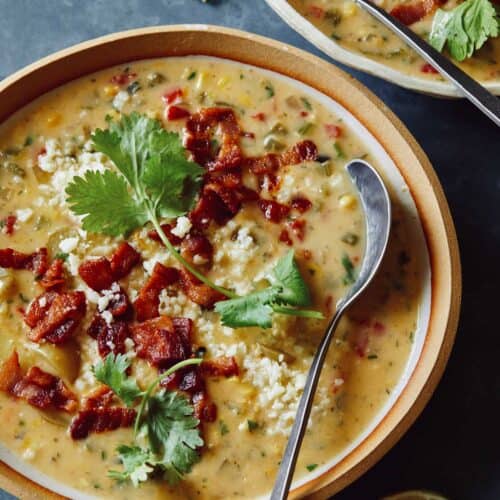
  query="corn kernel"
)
[
  {"x": 349, "y": 9},
  {"x": 154, "y": 115},
  {"x": 223, "y": 82},
  {"x": 53, "y": 119},
  {"x": 202, "y": 80},
  {"x": 347, "y": 201},
  {"x": 245, "y": 100},
  {"x": 111, "y": 90}
]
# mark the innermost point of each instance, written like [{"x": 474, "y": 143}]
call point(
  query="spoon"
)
[
  {"x": 377, "y": 208},
  {"x": 470, "y": 88}
]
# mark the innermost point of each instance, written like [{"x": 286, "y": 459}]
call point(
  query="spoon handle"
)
[
  {"x": 287, "y": 466},
  {"x": 470, "y": 88}
]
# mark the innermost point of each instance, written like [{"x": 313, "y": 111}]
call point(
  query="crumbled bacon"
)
[
  {"x": 197, "y": 244},
  {"x": 10, "y": 372},
  {"x": 284, "y": 237},
  {"x": 167, "y": 229},
  {"x": 43, "y": 390},
  {"x": 224, "y": 366},
  {"x": 298, "y": 226},
  {"x": 261, "y": 117},
  {"x": 55, "y": 316},
  {"x": 36, "y": 261},
  {"x": 10, "y": 224},
  {"x": 96, "y": 273},
  {"x": 301, "y": 204},
  {"x": 198, "y": 138},
  {"x": 148, "y": 301},
  {"x": 209, "y": 208},
  {"x": 273, "y": 211},
  {"x": 204, "y": 409},
  {"x": 409, "y": 13},
  {"x": 98, "y": 398},
  {"x": 119, "y": 305},
  {"x": 198, "y": 292},
  {"x": 110, "y": 337},
  {"x": 159, "y": 342},
  {"x": 123, "y": 259},
  {"x": 54, "y": 276},
  {"x": 101, "y": 420}
]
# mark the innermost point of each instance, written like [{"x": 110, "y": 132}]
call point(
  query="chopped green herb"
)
[
  {"x": 306, "y": 103},
  {"x": 311, "y": 467},
  {"x": 350, "y": 238},
  {"x": 155, "y": 79},
  {"x": 62, "y": 256},
  {"x": 28, "y": 141},
  {"x": 191, "y": 75},
  {"x": 252, "y": 425},
  {"x": 272, "y": 144},
  {"x": 24, "y": 299},
  {"x": 349, "y": 277},
  {"x": 305, "y": 128},
  {"x": 269, "y": 89},
  {"x": 12, "y": 151},
  {"x": 15, "y": 169},
  {"x": 372, "y": 356},
  {"x": 338, "y": 150},
  {"x": 223, "y": 428}
]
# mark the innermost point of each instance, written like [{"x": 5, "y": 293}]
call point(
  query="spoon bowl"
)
[{"x": 377, "y": 207}]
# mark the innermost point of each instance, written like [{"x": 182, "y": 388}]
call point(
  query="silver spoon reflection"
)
[{"x": 377, "y": 209}]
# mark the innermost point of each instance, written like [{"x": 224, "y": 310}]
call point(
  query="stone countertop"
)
[{"x": 453, "y": 448}]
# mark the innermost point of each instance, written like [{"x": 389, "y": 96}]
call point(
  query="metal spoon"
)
[
  {"x": 470, "y": 88},
  {"x": 377, "y": 207}
]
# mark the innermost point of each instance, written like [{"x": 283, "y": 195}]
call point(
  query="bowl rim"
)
[
  {"x": 363, "y": 63},
  {"x": 143, "y": 43}
]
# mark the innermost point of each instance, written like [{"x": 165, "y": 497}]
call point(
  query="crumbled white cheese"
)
[
  {"x": 107, "y": 316},
  {"x": 182, "y": 227},
  {"x": 68, "y": 244},
  {"x": 42, "y": 301},
  {"x": 199, "y": 260},
  {"x": 73, "y": 263},
  {"x": 121, "y": 99},
  {"x": 24, "y": 214}
]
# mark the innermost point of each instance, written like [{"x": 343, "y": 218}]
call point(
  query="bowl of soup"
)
[
  {"x": 177, "y": 225},
  {"x": 348, "y": 34}
]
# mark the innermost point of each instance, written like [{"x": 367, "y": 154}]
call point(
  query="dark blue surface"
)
[{"x": 454, "y": 446}]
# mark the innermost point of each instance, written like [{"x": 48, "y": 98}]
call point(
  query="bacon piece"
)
[
  {"x": 110, "y": 337},
  {"x": 224, "y": 366},
  {"x": 410, "y": 13},
  {"x": 10, "y": 225},
  {"x": 57, "y": 322},
  {"x": 36, "y": 261},
  {"x": 10, "y": 372},
  {"x": 97, "y": 273},
  {"x": 124, "y": 258},
  {"x": 119, "y": 305},
  {"x": 189, "y": 380},
  {"x": 204, "y": 409},
  {"x": 148, "y": 301},
  {"x": 198, "y": 292},
  {"x": 43, "y": 390},
  {"x": 54, "y": 276},
  {"x": 99, "y": 398},
  {"x": 228, "y": 196},
  {"x": 301, "y": 204},
  {"x": 298, "y": 226},
  {"x": 209, "y": 208},
  {"x": 100, "y": 420},
  {"x": 284, "y": 237},
  {"x": 273, "y": 211},
  {"x": 184, "y": 328},
  {"x": 199, "y": 128},
  {"x": 269, "y": 163},
  {"x": 176, "y": 113},
  {"x": 167, "y": 229},
  {"x": 159, "y": 342},
  {"x": 197, "y": 244}
]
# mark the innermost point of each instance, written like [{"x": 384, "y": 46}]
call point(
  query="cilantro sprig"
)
[
  {"x": 164, "y": 417},
  {"x": 465, "y": 28},
  {"x": 155, "y": 180},
  {"x": 287, "y": 288}
]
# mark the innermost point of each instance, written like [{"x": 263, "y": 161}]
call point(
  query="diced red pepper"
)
[
  {"x": 428, "y": 68},
  {"x": 172, "y": 96},
  {"x": 333, "y": 131},
  {"x": 10, "y": 223},
  {"x": 261, "y": 117}
]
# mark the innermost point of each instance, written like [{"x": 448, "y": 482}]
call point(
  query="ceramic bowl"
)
[
  {"x": 405, "y": 168},
  {"x": 363, "y": 63}
]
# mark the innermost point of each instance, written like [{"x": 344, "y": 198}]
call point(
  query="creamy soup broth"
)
[{"x": 372, "y": 344}]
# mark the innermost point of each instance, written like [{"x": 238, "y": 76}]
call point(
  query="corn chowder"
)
[
  {"x": 354, "y": 29},
  {"x": 202, "y": 236}
]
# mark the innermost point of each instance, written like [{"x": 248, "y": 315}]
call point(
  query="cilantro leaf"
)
[
  {"x": 173, "y": 433},
  {"x": 113, "y": 372},
  {"x": 104, "y": 200},
  {"x": 465, "y": 28},
  {"x": 136, "y": 465},
  {"x": 294, "y": 290},
  {"x": 256, "y": 309},
  {"x": 349, "y": 276},
  {"x": 253, "y": 309}
]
